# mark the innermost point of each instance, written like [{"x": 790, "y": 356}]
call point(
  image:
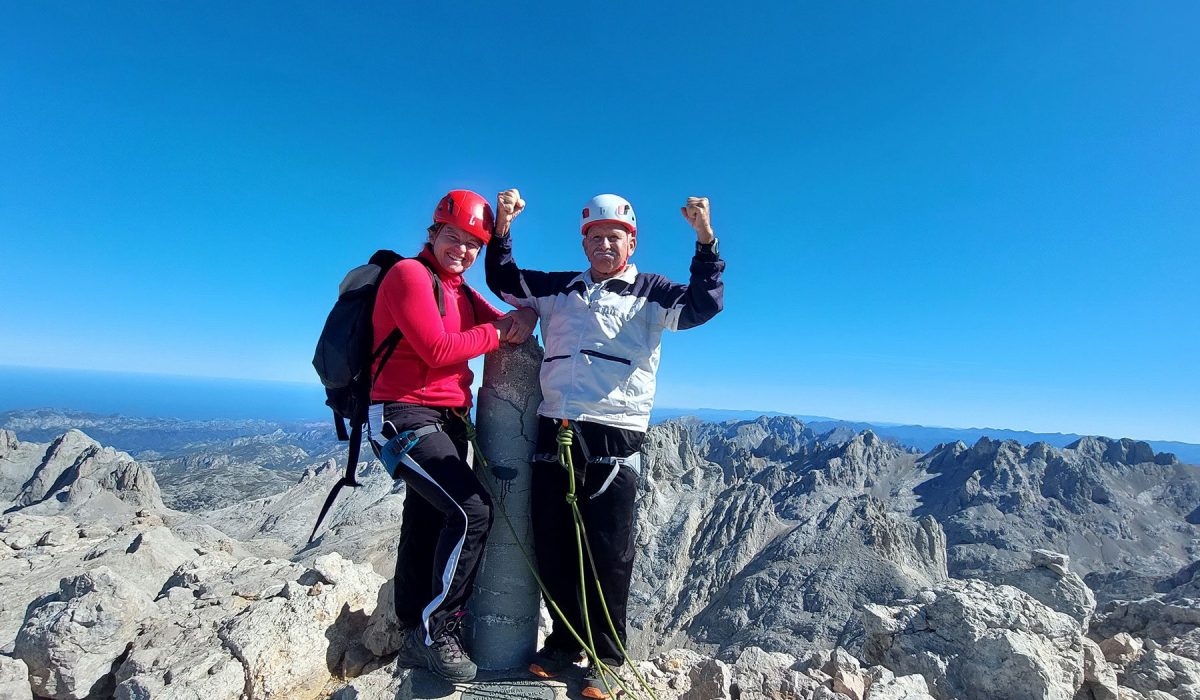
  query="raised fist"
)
[
  {"x": 508, "y": 206},
  {"x": 697, "y": 214}
]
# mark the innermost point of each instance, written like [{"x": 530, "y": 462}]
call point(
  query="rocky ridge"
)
[
  {"x": 793, "y": 565},
  {"x": 770, "y": 534}
]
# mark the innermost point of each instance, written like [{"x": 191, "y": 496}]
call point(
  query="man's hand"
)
[
  {"x": 697, "y": 214},
  {"x": 508, "y": 206},
  {"x": 516, "y": 326}
]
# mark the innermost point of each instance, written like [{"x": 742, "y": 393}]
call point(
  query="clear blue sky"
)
[{"x": 962, "y": 214}]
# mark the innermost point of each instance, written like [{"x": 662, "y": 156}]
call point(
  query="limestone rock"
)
[
  {"x": 759, "y": 675},
  {"x": 8, "y": 443},
  {"x": 1098, "y": 676},
  {"x": 753, "y": 535},
  {"x": 1172, "y": 624},
  {"x": 180, "y": 659},
  {"x": 1160, "y": 670},
  {"x": 14, "y": 674},
  {"x": 392, "y": 682},
  {"x": 363, "y": 525},
  {"x": 266, "y": 636},
  {"x": 1099, "y": 499},
  {"x": 1121, "y": 649},
  {"x": 708, "y": 679},
  {"x": 383, "y": 634},
  {"x": 71, "y": 641},
  {"x": 975, "y": 639},
  {"x": 885, "y": 685},
  {"x": 846, "y": 675},
  {"x": 69, "y": 449},
  {"x": 77, "y": 476},
  {"x": 1049, "y": 580},
  {"x": 250, "y": 628}
]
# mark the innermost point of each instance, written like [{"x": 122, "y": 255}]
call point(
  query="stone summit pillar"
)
[{"x": 503, "y": 623}]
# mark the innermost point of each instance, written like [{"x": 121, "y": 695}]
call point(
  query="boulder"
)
[
  {"x": 885, "y": 685},
  {"x": 14, "y": 679},
  {"x": 391, "y": 681},
  {"x": 1160, "y": 670},
  {"x": 71, "y": 640},
  {"x": 291, "y": 644},
  {"x": 1121, "y": 649},
  {"x": 708, "y": 679},
  {"x": 758, "y": 675},
  {"x": 1172, "y": 624},
  {"x": 1049, "y": 581},
  {"x": 1098, "y": 677},
  {"x": 970, "y": 638},
  {"x": 384, "y": 634}
]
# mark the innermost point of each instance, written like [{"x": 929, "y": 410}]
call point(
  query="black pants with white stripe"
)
[
  {"x": 609, "y": 520},
  {"x": 447, "y": 516}
]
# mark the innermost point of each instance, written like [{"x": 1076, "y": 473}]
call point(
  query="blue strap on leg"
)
[{"x": 395, "y": 451}]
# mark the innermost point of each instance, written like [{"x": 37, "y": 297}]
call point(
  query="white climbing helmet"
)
[{"x": 608, "y": 207}]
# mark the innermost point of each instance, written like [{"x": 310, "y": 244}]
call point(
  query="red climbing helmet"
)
[{"x": 468, "y": 211}]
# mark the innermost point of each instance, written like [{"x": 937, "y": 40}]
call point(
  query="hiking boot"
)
[
  {"x": 551, "y": 661},
  {"x": 408, "y": 656},
  {"x": 446, "y": 657},
  {"x": 594, "y": 685}
]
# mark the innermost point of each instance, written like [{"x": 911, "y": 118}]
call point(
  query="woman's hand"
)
[{"x": 516, "y": 326}]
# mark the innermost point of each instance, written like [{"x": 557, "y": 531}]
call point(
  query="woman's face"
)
[{"x": 454, "y": 249}]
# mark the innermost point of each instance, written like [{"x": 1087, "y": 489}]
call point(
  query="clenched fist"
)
[
  {"x": 697, "y": 214},
  {"x": 508, "y": 205}
]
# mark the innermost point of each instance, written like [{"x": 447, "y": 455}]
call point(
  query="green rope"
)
[
  {"x": 565, "y": 441},
  {"x": 472, "y": 437},
  {"x": 564, "y": 457}
]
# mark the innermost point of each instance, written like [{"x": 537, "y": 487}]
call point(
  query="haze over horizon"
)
[
  {"x": 151, "y": 395},
  {"x": 946, "y": 214}
]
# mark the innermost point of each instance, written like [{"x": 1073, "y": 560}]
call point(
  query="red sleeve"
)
[{"x": 407, "y": 296}]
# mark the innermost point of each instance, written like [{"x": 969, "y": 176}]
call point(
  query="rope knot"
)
[{"x": 570, "y": 498}]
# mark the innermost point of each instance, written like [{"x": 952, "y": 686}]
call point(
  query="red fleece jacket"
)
[{"x": 429, "y": 366}]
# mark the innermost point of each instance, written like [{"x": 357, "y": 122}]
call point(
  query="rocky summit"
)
[{"x": 775, "y": 561}]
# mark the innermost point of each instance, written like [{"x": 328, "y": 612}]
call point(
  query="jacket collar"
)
[
  {"x": 628, "y": 276},
  {"x": 618, "y": 284}
]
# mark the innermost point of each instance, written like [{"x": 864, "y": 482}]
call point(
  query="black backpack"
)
[{"x": 346, "y": 352}]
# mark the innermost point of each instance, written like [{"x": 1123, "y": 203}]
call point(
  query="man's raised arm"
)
[
  {"x": 507, "y": 281},
  {"x": 704, "y": 295}
]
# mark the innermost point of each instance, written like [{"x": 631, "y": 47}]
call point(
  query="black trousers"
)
[
  {"x": 608, "y": 519},
  {"x": 447, "y": 516}
]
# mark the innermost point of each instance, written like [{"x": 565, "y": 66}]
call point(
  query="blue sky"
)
[{"x": 962, "y": 214}]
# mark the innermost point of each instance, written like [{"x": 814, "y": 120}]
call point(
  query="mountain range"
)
[{"x": 776, "y": 558}]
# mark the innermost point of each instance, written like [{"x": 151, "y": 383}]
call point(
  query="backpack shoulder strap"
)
[
  {"x": 473, "y": 298},
  {"x": 437, "y": 285}
]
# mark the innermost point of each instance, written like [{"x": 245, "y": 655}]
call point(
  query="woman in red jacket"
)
[{"x": 447, "y": 512}]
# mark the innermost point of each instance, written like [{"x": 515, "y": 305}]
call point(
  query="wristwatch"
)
[{"x": 707, "y": 247}]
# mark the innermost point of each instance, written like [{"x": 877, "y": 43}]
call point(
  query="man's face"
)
[
  {"x": 454, "y": 249},
  {"x": 608, "y": 247}
]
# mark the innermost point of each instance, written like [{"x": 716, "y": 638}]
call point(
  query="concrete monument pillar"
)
[{"x": 503, "y": 622}]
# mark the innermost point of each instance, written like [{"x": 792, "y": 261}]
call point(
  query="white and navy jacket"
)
[{"x": 603, "y": 339}]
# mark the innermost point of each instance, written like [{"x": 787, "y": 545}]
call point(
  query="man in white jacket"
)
[{"x": 602, "y": 330}]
